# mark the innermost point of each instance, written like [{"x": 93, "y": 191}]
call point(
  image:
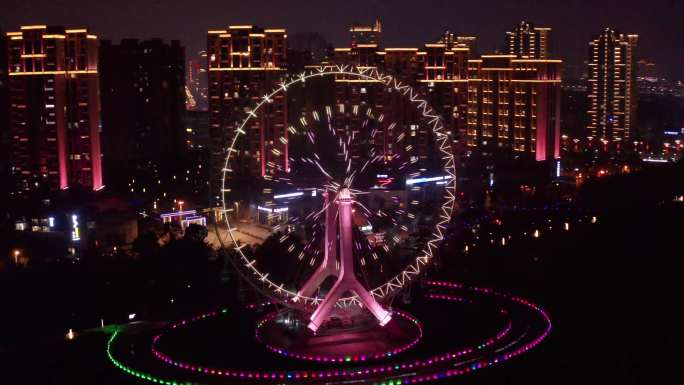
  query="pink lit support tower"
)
[
  {"x": 329, "y": 266},
  {"x": 346, "y": 281}
]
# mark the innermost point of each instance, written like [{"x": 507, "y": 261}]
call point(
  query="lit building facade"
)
[
  {"x": 355, "y": 97},
  {"x": 54, "y": 108},
  {"x": 437, "y": 70},
  {"x": 529, "y": 42},
  {"x": 196, "y": 83},
  {"x": 452, "y": 41},
  {"x": 611, "y": 91},
  {"x": 366, "y": 34},
  {"x": 514, "y": 104},
  {"x": 4, "y": 85},
  {"x": 469, "y": 42},
  {"x": 245, "y": 63},
  {"x": 5, "y": 189},
  {"x": 443, "y": 79}
]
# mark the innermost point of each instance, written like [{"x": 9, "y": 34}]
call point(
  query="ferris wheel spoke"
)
[
  {"x": 359, "y": 192},
  {"x": 317, "y": 214},
  {"x": 323, "y": 171},
  {"x": 363, "y": 207}
]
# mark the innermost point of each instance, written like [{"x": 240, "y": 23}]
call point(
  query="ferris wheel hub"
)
[{"x": 344, "y": 194}]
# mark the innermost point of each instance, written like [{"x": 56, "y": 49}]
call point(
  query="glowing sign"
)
[
  {"x": 289, "y": 195},
  {"x": 198, "y": 220},
  {"x": 275, "y": 210},
  {"x": 655, "y": 160},
  {"x": 384, "y": 180},
  {"x": 427, "y": 179},
  {"x": 75, "y": 232},
  {"x": 178, "y": 214}
]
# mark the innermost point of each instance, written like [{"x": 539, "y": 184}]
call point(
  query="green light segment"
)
[{"x": 135, "y": 373}]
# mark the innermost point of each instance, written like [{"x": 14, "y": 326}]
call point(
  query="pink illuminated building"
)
[
  {"x": 514, "y": 103},
  {"x": 514, "y": 99},
  {"x": 54, "y": 108}
]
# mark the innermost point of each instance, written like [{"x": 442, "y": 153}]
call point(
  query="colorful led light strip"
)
[
  {"x": 396, "y": 370},
  {"x": 347, "y": 358},
  {"x": 137, "y": 373},
  {"x": 332, "y": 373}
]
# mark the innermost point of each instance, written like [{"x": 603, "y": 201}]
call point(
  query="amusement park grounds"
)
[{"x": 610, "y": 289}]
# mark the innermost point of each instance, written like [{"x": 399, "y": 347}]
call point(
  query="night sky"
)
[{"x": 660, "y": 23}]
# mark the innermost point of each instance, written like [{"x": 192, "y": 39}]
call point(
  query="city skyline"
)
[
  {"x": 369, "y": 192},
  {"x": 403, "y": 24}
]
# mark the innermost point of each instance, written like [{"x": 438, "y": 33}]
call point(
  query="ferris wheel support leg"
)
[
  {"x": 328, "y": 266},
  {"x": 314, "y": 282},
  {"x": 323, "y": 310},
  {"x": 366, "y": 298},
  {"x": 340, "y": 288}
]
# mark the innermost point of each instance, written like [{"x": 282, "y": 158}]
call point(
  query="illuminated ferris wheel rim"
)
[{"x": 414, "y": 268}]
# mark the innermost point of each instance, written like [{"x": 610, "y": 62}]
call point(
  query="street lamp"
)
[{"x": 16, "y": 256}]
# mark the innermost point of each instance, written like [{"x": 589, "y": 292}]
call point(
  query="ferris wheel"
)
[{"x": 351, "y": 201}]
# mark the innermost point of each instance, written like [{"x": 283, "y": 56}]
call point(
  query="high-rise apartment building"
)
[
  {"x": 4, "y": 88},
  {"x": 54, "y": 108},
  {"x": 437, "y": 70},
  {"x": 366, "y": 34},
  {"x": 469, "y": 42},
  {"x": 529, "y": 42},
  {"x": 245, "y": 63},
  {"x": 354, "y": 97},
  {"x": 444, "y": 82},
  {"x": 143, "y": 100},
  {"x": 5, "y": 189},
  {"x": 612, "y": 90},
  {"x": 452, "y": 41},
  {"x": 514, "y": 104},
  {"x": 197, "y": 94}
]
